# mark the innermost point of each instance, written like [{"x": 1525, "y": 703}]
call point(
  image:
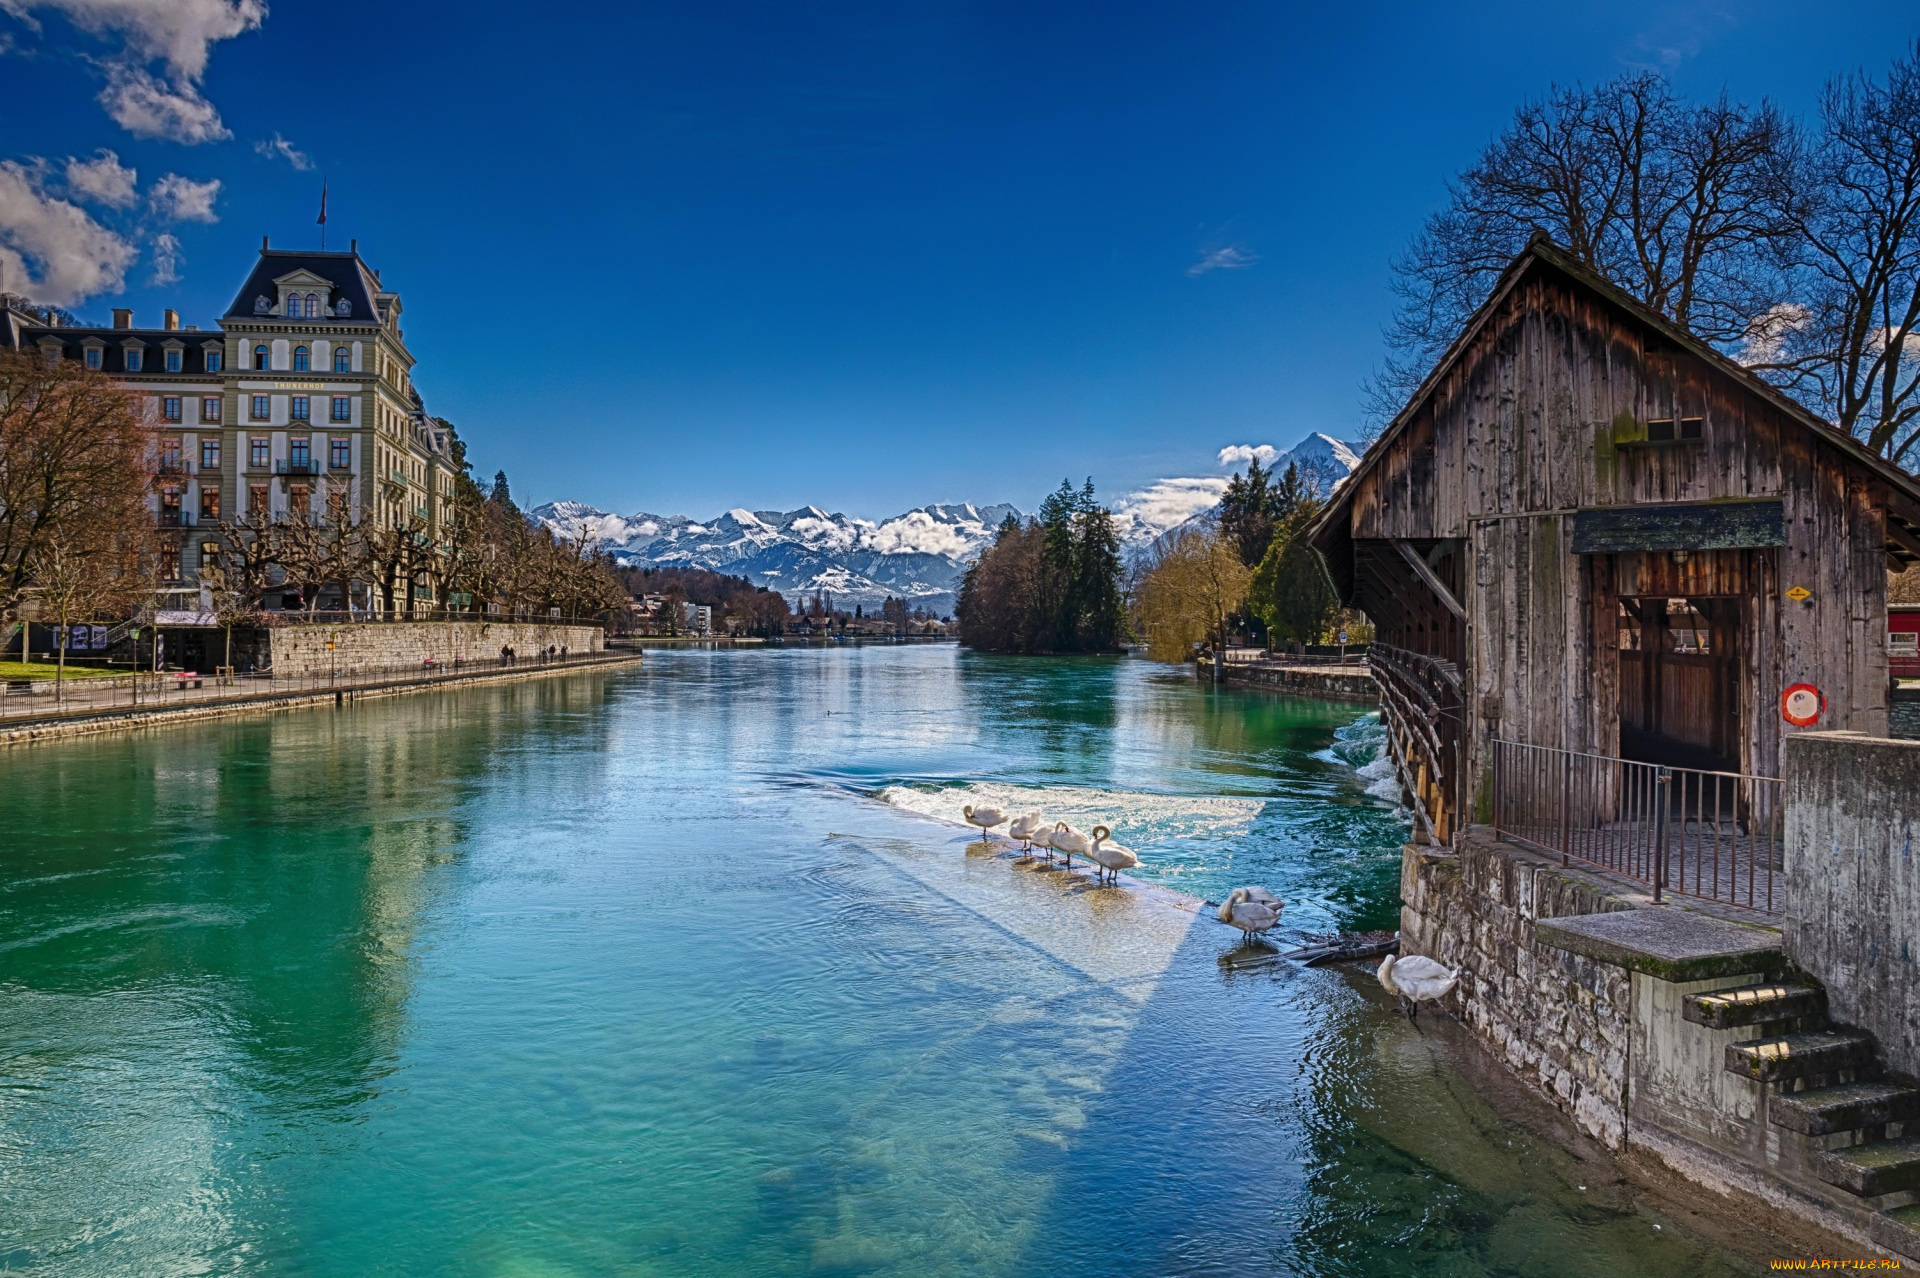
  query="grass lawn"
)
[{"x": 47, "y": 669}]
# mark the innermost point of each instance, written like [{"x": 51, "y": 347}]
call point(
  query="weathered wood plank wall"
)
[{"x": 1544, "y": 414}]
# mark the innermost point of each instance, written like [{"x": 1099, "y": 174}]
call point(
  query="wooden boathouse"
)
[{"x": 1589, "y": 531}]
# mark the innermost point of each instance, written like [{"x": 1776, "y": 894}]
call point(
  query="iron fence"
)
[{"x": 1716, "y": 835}]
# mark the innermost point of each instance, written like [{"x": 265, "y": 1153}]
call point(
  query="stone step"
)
[
  {"x": 1877, "y": 1167},
  {"x": 1799, "y": 1055},
  {"x": 1843, "y": 1108},
  {"x": 1752, "y": 1005},
  {"x": 1897, "y": 1230}
]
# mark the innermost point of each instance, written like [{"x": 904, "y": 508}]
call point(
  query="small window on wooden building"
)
[
  {"x": 1660, "y": 430},
  {"x": 1692, "y": 427}
]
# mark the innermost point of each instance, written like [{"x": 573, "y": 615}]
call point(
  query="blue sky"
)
[{"x": 680, "y": 258}]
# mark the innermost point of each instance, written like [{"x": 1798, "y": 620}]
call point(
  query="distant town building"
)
[{"x": 302, "y": 403}]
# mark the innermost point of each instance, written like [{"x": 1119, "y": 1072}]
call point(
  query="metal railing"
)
[
  {"x": 1715, "y": 835},
  {"x": 82, "y": 695},
  {"x": 1356, "y": 656}
]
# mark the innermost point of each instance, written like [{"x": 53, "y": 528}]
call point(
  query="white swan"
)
[
  {"x": 985, "y": 818},
  {"x": 1070, "y": 840},
  {"x": 1025, "y": 827},
  {"x": 1251, "y": 915},
  {"x": 1042, "y": 839},
  {"x": 1112, "y": 857},
  {"x": 1416, "y": 979}
]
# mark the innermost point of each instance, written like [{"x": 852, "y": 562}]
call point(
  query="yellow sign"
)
[{"x": 1799, "y": 594}]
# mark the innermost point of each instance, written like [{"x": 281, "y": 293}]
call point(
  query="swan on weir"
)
[
  {"x": 1416, "y": 979},
  {"x": 1251, "y": 909},
  {"x": 1024, "y": 828},
  {"x": 985, "y": 818},
  {"x": 1070, "y": 840},
  {"x": 1111, "y": 856}
]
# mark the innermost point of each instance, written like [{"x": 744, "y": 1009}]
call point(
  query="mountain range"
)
[{"x": 917, "y": 556}]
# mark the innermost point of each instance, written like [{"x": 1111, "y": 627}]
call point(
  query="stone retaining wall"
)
[
  {"x": 1561, "y": 1020},
  {"x": 302, "y": 649}
]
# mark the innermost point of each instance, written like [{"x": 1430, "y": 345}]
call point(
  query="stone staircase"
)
[{"x": 1824, "y": 1083}]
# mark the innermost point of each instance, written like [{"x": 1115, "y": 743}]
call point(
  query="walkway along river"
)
[{"x": 672, "y": 971}]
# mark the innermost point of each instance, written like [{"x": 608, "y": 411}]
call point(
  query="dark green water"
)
[{"x": 633, "y": 975}]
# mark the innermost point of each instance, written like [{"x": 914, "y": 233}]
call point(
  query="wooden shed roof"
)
[{"x": 1542, "y": 253}]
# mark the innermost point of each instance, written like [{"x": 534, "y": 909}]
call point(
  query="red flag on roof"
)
[{"x": 323, "y": 202}]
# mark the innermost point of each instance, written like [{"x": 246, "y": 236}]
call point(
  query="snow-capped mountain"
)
[
  {"x": 1322, "y": 459},
  {"x": 917, "y": 556}
]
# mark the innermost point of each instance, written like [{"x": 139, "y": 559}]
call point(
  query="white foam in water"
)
[
  {"x": 1363, "y": 745},
  {"x": 1132, "y": 814}
]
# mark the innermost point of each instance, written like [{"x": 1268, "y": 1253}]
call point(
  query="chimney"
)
[
  {"x": 353, "y": 246},
  {"x": 172, "y": 321},
  {"x": 122, "y": 318},
  {"x": 263, "y": 244}
]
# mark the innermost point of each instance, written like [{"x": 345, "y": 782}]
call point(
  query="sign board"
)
[
  {"x": 1799, "y": 594},
  {"x": 1802, "y": 704}
]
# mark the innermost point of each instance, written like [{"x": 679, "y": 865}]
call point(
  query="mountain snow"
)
[{"x": 918, "y": 556}]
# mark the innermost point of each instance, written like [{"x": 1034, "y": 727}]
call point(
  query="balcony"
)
[
  {"x": 296, "y": 468},
  {"x": 170, "y": 469},
  {"x": 177, "y": 519},
  {"x": 397, "y": 477}
]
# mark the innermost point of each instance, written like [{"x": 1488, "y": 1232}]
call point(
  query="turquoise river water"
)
[{"x": 689, "y": 970}]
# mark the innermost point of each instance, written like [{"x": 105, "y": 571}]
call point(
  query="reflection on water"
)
[{"x": 633, "y": 974}]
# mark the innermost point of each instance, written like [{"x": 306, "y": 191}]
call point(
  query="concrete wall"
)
[
  {"x": 1853, "y": 885},
  {"x": 302, "y": 649},
  {"x": 1561, "y": 1020}
]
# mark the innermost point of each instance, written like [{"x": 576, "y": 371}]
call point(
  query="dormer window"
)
[
  {"x": 313, "y": 306},
  {"x": 93, "y": 357},
  {"x": 342, "y": 360},
  {"x": 261, "y": 357},
  {"x": 134, "y": 360},
  {"x": 343, "y": 308},
  {"x": 301, "y": 361},
  {"x": 174, "y": 361},
  {"x": 213, "y": 361},
  {"x": 262, "y": 306}
]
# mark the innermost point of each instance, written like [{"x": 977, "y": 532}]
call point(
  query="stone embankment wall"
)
[
  {"x": 1342, "y": 683},
  {"x": 1852, "y": 820},
  {"x": 302, "y": 649},
  {"x": 1559, "y": 1019}
]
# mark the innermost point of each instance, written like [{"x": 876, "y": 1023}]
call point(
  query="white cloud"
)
[
  {"x": 51, "y": 248},
  {"x": 175, "y": 33},
  {"x": 1241, "y": 454},
  {"x": 278, "y": 148},
  {"x": 102, "y": 180},
  {"x": 179, "y": 199},
  {"x": 917, "y": 532},
  {"x": 166, "y": 259},
  {"x": 148, "y": 107},
  {"x": 1230, "y": 258},
  {"x": 1141, "y": 516},
  {"x": 1767, "y": 333}
]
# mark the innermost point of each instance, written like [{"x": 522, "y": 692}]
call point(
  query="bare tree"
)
[
  {"x": 73, "y": 463},
  {"x": 1690, "y": 208},
  {"x": 1847, "y": 343},
  {"x": 88, "y": 571}
]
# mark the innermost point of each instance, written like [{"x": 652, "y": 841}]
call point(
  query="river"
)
[{"x": 687, "y": 970}]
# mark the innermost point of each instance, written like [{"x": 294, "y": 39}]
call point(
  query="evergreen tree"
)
[
  {"x": 501, "y": 495},
  {"x": 1248, "y": 510}
]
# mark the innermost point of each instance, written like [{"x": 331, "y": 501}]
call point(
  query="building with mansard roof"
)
[{"x": 300, "y": 404}]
